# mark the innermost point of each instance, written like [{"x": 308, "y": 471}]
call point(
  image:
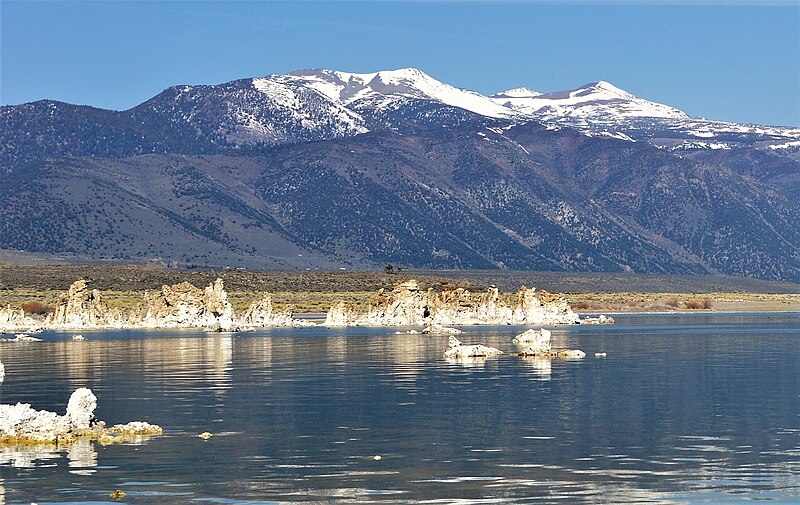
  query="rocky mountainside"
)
[
  {"x": 526, "y": 197},
  {"x": 326, "y": 169}
]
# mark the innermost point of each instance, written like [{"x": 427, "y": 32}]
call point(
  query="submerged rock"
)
[
  {"x": 459, "y": 350},
  {"x": 552, "y": 353},
  {"x": 438, "y": 329},
  {"x": 21, "y": 337},
  {"x": 407, "y": 305},
  {"x": 22, "y": 424},
  {"x": 601, "y": 319}
]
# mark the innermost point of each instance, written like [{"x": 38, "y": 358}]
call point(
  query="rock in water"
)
[
  {"x": 217, "y": 306},
  {"x": 601, "y": 319},
  {"x": 186, "y": 306},
  {"x": 438, "y": 329},
  {"x": 2, "y": 372},
  {"x": 21, "y": 337},
  {"x": 260, "y": 314},
  {"x": 458, "y": 350},
  {"x": 552, "y": 353},
  {"x": 21, "y": 424},
  {"x": 340, "y": 315},
  {"x": 11, "y": 318},
  {"x": 407, "y": 305},
  {"x": 535, "y": 339},
  {"x": 80, "y": 409},
  {"x": 81, "y": 307}
]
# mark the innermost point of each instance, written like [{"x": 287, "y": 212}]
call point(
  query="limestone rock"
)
[
  {"x": 535, "y": 339},
  {"x": 217, "y": 306},
  {"x": 552, "y": 353},
  {"x": 601, "y": 319},
  {"x": 80, "y": 409},
  {"x": 459, "y": 350},
  {"x": 136, "y": 428},
  {"x": 21, "y": 337},
  {"x": 186, "y": 306},
  {"x": 22, "y": 424},
  {"x": 407, "y": 305},
  {"x": 340, "y": 315},
  {"x": 14, "y": 319},
  {"x": 438, "y": 329},
  {"x": 260, "y": 314},
  {"x": 571, "y": 353},
  {"x": 81, "y": 307}
]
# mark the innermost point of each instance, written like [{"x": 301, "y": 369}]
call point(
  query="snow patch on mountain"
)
[
  {"x": 689, "y": 145},
  {"x": 785, "y": 145},
  {"x": 608, "y": 134},
  {"x": 385, "y": 86},
  {"x": 516, "y": 93},
  {"x": 598, "y": 101},
  {"x": 308, "y": 107}
]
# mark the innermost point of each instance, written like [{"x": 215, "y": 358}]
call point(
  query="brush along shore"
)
[
  {"x": 122, "y": 287},
  {"x": 318, "y": 302}
]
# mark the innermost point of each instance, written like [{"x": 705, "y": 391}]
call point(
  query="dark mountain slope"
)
[
  {"x": 152, "y": 208},
  {"x": 522, "y": 197}
]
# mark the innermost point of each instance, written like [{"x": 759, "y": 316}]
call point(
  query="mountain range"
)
[{"x": 328, "y": 169}]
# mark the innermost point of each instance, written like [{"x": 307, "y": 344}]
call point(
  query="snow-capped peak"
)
[
  {"x": 596, "y": 101},
  {"x": 388, "y": 85},
  {"x": 516, "y": 93},
  {"x": 605, "y": 86}
]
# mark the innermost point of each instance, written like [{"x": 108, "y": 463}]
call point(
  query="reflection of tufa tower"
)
[{"x": 82, "y": 457}]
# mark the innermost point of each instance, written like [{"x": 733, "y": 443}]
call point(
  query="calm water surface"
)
[{"x": 684, "y": 409}]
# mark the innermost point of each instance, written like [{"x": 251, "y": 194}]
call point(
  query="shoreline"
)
[
  {"x": 38, "y": 289},
  {"x": 319, "y": 302}
]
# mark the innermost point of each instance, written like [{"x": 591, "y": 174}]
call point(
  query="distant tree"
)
[{"x": 389, "y": 269}]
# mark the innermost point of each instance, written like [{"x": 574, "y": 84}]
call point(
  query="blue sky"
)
[{"x": 728, "y": 60}]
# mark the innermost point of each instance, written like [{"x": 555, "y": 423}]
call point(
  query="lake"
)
[{"x": 683, "y": 409}]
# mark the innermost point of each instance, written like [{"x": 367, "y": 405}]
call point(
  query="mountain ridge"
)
[{"x": 322, "y": 169}]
